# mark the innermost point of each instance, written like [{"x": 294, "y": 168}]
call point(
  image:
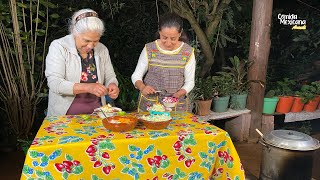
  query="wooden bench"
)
[
  {"x": 268, "y": 120},
  {"x": 237, "y": 122},
  {"x": 302, "y": 116}
]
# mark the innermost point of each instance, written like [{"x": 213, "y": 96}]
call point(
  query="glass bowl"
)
[{"x": 120, "y": 123}]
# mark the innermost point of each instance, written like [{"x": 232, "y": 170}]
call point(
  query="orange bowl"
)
[
  {"x": 155, "y": 125},
  {"x": 120, "y": 123}
]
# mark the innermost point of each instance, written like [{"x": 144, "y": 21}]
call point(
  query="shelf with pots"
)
[{"x": 305, "y": 104}]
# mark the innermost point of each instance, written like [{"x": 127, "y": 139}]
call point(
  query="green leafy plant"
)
[
  {"x": 25, "y": 144},
  {"x": 270, "y": 94},
  {"x": 285, "y": 87},
  {"x": 306, "y": 93},
  {"x": 203, "y": 88},
  {"x": 316, "y": 85},
  {"x": 223, "y": 84},
  {"x": 127, "y": 99},
  {"x": 239, "y": 71}
]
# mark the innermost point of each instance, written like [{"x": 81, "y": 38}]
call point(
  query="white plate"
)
[
  {"x": 115, "y": 109},
  {"x": 101, "y": 115}
]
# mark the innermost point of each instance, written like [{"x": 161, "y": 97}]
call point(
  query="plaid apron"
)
[{"x": 165, "y": 72}]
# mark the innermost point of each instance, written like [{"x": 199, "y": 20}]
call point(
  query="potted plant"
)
[
  {"x": 223, "y": 85},
  {"x": 308, "y": 94},
  {"x": 285, "y": 93},
  {"x": 239, "y": 71},
  {"x": 297, "y": 104},
  {"x": 270, "y": 102},
  {"x": 316, "y": 84},
  {"x": 202, "y": 94},
  {"x": 305, "y": 94}
]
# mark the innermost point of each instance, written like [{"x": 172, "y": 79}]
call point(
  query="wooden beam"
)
[{"x": 259, "y": 54}]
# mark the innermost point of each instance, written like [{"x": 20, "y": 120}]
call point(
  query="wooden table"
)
[{"x": 79, "y": 147}]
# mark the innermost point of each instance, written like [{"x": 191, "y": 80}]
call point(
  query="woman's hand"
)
[
  {"x": 96, "y": 89},
  {"x": 113, "y": 91},
  {"x": 92, "y": 88},
  {"x": 180, "y": 93},
  {"x": 145, "y": 90},
  {"x": 148, "y": 90}
]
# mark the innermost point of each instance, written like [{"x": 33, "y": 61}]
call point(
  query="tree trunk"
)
[{"x": 259, "y": 54}]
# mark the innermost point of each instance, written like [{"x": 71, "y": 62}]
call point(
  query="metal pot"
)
[{"x": 287, "y": 155}]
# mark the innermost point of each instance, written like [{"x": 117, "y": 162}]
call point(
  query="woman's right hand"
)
[
  {"x": 148, "y": 90},
  {"x": 144, "y": 89},
  {"x": 97, "y": 89}
]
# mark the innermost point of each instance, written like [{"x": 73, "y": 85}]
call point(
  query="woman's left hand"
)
[
  {"x": 113, "y": 91},
  {"x": 180, "y": 93}
]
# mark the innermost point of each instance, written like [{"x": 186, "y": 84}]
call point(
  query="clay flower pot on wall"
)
[
  {"x": 202, "y": 95},
  {"x": 297, "y": 105},
  {"x": 285, "y": 103},
  {"x": 285, "y": 93},
  {"x": 203, "y": 107},
  {"x": 311, "y": 105},
  {"x": 309, "y": 96}
]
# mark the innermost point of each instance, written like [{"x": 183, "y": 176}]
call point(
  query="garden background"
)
[{"x": 294, "y": 54}]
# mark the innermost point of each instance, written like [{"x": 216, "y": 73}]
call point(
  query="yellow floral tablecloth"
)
[{"x": 79, "y": 147}]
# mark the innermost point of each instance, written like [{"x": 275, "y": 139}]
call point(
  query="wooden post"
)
[{"x": 259, "y": 54}]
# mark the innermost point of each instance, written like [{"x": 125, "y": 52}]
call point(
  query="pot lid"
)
[{"x": 292, "y": 140}]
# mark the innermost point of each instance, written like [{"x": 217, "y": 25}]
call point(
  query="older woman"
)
[
  {"x": 78, "y": 68},
  {"x": 167, "y": 65}
]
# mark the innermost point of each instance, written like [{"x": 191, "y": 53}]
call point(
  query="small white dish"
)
[
  {"x": 169, "y": 105},
  {"x": 114, "y": 112}
]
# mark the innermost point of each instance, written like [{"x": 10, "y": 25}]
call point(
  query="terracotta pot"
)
[
  {"x": 312, "y": 105},
  {"x": 203, "y": 108},
  {"x": 297, "y": 105},
  {"x": 285, "y": 103}
]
